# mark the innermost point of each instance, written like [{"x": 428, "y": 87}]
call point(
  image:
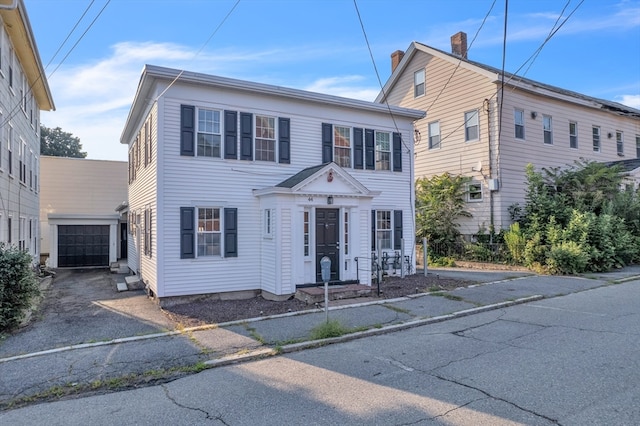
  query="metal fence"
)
[{"x": 471, "y": 251}]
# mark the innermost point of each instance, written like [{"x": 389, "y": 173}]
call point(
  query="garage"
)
[{"x": 83, "y": 245}]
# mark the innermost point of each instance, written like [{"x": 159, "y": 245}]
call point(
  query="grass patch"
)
[
  {"x": 331, "y": 328},
  {"x": 254, "y": 334},
  {"x": 447, "y": 296},
  {"x": 396, "y": 309}
]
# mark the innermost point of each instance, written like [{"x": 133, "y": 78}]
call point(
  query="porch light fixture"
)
[{"x": 330, "y": 199}]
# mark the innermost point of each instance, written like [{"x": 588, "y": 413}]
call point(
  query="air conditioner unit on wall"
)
[{"x": 494, "y": 184}]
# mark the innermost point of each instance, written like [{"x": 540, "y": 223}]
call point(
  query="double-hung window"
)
[
  {"x": 383, "y": 151},
  {"x": 619, "y": 143},
  {"x": 474, "y": 191},
  {"x": 209, "y": 134},
  {"x": 342, "y": 146},
  {"x": 434, "y": 135},
  {"x": 637, "y": 146},
  {"x": 518, "y": 118},
  {"x": 305, "y": 232},
  {"x": 471, "y": 126},
  {"x": 208, "y": 231},
  {"x": 265, "y": 138},
  {"x": 383, "y": 229},
  {"x": 596, "y": 138},
  {"x": 573, "y": 135},
  {"x": 547, "y": 129},
  {"x": 418, "y": 83}
]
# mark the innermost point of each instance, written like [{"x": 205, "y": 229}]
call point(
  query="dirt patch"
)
[{"x": 212, "y": 312}]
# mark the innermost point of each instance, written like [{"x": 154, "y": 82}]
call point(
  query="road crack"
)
[{"x": 208, "y": 416}]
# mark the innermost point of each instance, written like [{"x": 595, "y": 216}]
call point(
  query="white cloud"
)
[
  {"x": 346, "y": 86},
  {"x": 630, "y": 100}
]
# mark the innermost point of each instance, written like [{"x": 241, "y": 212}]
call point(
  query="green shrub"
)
[
  {"x": 567, "y": 258},
  {"x": 516, "y": 243},
  {"x": 18, "y": 286},
  {"x": 442, "y": 261},
  {"x": 477, "y": 252}
]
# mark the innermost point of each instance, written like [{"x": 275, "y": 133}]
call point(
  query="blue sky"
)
[{"x": 315, "y": 45}]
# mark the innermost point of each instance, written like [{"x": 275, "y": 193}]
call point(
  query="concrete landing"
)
[{"x": 313, "y": 295}]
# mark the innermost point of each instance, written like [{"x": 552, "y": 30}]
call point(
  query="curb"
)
[{"x": 296, "y": 347}]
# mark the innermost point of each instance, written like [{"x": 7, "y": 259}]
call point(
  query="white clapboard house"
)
[{"x": 239, "y": 187}]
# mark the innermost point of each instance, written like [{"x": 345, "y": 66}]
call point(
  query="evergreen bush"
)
[{"x": 18, "y": 286}]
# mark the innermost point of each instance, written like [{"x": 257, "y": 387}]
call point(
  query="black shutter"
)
[
  {"x": 327, "y": 143},
  {"x": 397, "y": 152},
  {"x": 187, "y": 232},
  {"x": 358, "y": 149},
  {"x": 397, "y": 229},
  {"x": 246, "y": 136},
  {"x": 231, "y": 134},
  {"x": 284, "y": 140},
  {"x": 369, "y": 149},
  {"x": 187, "y": 129},
  {"x": 373, "y": 230},
  {"x": 230, "y": 232}
]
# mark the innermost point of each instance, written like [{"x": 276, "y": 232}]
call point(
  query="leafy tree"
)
[
  {"x": 439, "y": 203},
  {"x": 57, "y": 143}
]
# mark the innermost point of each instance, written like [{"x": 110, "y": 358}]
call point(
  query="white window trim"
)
[
  {"x": 599, "y": 135},
  {"x": 306, "y": 220},
  {"x": 220, "y": 135},
  {"x": 417, "y": 84},
  {"x": 267, "y": 231},
  {"x": 620, "y": 143},
  {"x": 389, "y": 151},
  {"x": 389, "y": 231},
  {"x": 275, "y": 137},
  {"x": 350, "y": 147},
  {"x": 429, "y": 136},
  {"x": 480, "y": 190},
  {"x": 521, "y": 124},
  {"x": 466, "y": 125},
  {"x": 575, "y": 123},
  {"x": 219, "y": 232},
  {"x": 546, "y": 130}
]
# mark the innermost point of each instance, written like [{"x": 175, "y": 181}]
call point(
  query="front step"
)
[{"x": 313, "y": 295}]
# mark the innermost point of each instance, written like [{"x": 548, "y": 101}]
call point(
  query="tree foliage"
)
[
  {"x": 18, "y": 286},
  {"x": 440, "y": 201},
  {"x": 57, "y": 143},
  {"x": 577, "y": 219}
]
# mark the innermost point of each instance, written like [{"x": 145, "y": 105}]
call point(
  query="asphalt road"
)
[{"x": 570, "y": 360}]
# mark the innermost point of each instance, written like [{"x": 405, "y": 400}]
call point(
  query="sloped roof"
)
[
  {"x": 300, "y": 176},
  {"x": 626, "y": 165},
  {"x": 512, "y": 79}
]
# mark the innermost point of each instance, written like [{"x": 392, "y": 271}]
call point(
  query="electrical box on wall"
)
[{"x": 494, "y": 184}]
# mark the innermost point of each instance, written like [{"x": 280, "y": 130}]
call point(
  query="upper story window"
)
[
  {"x": 10, "y": 150},
  {"x": 418, "y": 83},
  {"x": 209, "y": 133},
  {"x": 619, "y": 143},
  {"x": 474, "y": 191},
  {"x": 265, "y": 138},
  {"x": 573, "y": 134},
  {"x": 342, "y": 146},
  {"x": 383, "y": 151},
  {"x": 471, "y": 126},
  {"x": 434, "y": 135},
  {"x": 637, "y": 146},
  {"x": 596, "y": 138},
  {"x": 547, "y": 129},
  {"x": 518, "y": 118}
]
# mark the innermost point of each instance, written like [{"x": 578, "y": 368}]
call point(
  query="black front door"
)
[
  {"x": 124, "y": 231},
  {"x": 327, "y": 241}
]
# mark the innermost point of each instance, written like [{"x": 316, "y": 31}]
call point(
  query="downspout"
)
[{"x": 487, "y": 104}]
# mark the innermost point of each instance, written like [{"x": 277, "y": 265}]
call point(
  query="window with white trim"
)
[
  {"x": 474, "y": 191},
  {"x": 342, "y": 146},
  {"x": 209, "y": 133},
  {"x": 637, "y": 146},
  {"x": 383, "y": 229},
  {"x": 547, "y": 129},
  {"x": 471, "y": 126},
  {"x": 22, "y": 243},
  {"x": 305, "y": 220},
  {"x": 573, "y": 135},
  {"x": 2, "y": 240},
  {"x": 2, "y": 135},
  {"x": 9, "y": 230},
  {"x": 265, "y": 138},
  {"x": 418, "y": 83},
  {"x": 209, "y": 231},
  {"x": 595, "y": 130},
  {"x": 10, "y": 150},
  {"x": 346, "y": 233},
  {"x": 518, "y": 118},
  {"x": 619, "y": 143},
  {"x": 148, "y": 222},
  {"x": 268, "y": 223},
  {"x": 383, "y": 150},
  {"x": 434, "y": 135},
  {"x": 22, "y": 161},
  {"x": 23, "y": 92}
]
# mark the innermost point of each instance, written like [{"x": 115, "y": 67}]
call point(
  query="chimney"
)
[
  {"x": 396, "y": 57},
  {"x": 459, "y": 44}
]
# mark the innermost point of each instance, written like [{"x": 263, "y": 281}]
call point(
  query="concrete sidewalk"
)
[{"x": 124, "y": 340}]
